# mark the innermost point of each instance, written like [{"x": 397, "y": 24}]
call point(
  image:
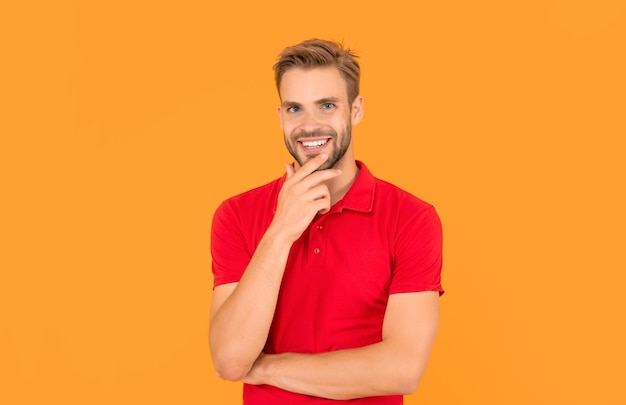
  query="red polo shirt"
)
[{"x": 378, "y": 240}]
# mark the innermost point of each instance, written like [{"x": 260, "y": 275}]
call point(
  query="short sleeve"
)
[
  {"x": 417, "y": 258},
  {"x": 229, "y": 252}
]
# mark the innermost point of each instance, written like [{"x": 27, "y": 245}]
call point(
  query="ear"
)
[
  {"x": 357, "y": 110},
  {"x": 280, "y": 116}
]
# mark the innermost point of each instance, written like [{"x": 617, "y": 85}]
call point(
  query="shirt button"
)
[
  {"x": 316, "y": 251},
  {"x": 320, "y": 227}
]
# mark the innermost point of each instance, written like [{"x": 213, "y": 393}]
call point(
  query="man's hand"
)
[
  {"x": 303, "y": 196},
  {"x": 242, "y": 313}
]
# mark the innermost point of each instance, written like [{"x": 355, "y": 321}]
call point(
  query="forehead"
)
[{"x": 302, "y": 85}]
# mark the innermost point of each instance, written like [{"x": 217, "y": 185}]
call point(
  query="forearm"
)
[
  {"x": 392, "y": 367},
  {"x": 375, "y": 370},
  {"x": 242, "y": 313},
  {"x": 240, "y": 326}
]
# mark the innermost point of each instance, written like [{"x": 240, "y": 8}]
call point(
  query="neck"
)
[{"x": 339, "y": 186}]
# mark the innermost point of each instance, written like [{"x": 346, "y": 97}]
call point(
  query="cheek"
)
[
  {"x": 340, "y": 121},
  {"x": 288, "y": 128},
  {"x": 288, "y": 123}
]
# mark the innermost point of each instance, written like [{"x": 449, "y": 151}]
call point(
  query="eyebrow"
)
[
  {"x": 286, "y": 104},
  {"x": 325, "y": 100}
]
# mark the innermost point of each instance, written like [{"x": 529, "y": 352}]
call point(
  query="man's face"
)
[{"x": 315, "y": 114}]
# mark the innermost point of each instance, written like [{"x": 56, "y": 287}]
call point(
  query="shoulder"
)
[
  {"x": 407, "y": 217},
  {"x": 392, "y": 196}
]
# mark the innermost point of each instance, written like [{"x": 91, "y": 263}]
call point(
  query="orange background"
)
[{"x": 126, "y": 123}]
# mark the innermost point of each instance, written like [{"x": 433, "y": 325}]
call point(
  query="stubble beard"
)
[{"x": 337, "y": 153}]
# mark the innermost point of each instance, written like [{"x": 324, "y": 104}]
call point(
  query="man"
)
[{"x": 327, "y": 280}]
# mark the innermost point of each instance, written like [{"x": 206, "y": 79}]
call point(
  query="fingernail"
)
[{"x": 323, "y": 155}]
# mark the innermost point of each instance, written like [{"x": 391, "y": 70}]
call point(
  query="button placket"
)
[{"x": 317, "y": 243}]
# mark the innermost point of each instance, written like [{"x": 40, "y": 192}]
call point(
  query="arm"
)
[
  {"x": 392, "y": 367},
  {"x": 242, "y": 313}
]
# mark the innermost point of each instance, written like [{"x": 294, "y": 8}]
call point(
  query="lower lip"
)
[{"x": 316, "y": 150}]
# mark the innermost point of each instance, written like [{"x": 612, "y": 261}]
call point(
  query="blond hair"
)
[{"x": 318, "y": 53}]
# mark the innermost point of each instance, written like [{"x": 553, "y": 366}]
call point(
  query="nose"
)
[{"x": 310, "y": 121}]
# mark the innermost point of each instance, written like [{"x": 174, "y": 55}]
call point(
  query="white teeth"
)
[{"x": 314, "y": 144}]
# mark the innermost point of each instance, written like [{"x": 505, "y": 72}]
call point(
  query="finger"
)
[
  {"x": 319, "y": 198},
  {"x": 316, "y": 193},
  {"x": 290, "y": 170},
  {"x": 317, "y": 178},
  {"x": 310, "y": 166},
  {"x": 322, "y": 205},
  {"x": 324, "y": 210}
]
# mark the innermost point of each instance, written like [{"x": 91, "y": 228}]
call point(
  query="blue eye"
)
[
  {"x": 293, "y": 109},
  {"x": 328, "y": 106}
]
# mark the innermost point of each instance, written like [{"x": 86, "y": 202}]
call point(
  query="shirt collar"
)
[{"x": 360, "y": 196}]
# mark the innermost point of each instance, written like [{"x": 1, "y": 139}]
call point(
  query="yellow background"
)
[{"x": 125, "y": 123}]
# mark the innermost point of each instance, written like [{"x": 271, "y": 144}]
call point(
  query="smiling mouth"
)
[{"x": 314, "y": 144}]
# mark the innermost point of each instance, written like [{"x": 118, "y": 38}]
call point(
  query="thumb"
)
[{"x": 290, "y": 170}]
